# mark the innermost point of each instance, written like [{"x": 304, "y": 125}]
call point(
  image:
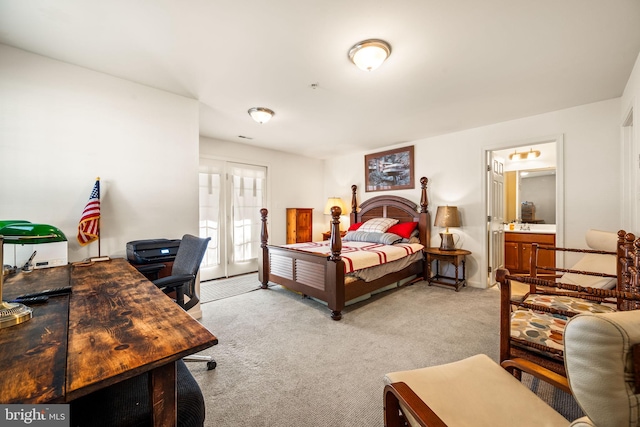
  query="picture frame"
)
[{"x": 389, "y": 170}]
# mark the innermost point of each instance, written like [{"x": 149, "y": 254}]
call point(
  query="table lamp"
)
[
  {"x": 447, "y": 216},
  {"x": 331, "y": 202}
]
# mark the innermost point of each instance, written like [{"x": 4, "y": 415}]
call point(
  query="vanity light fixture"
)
[
  {"x": 261, "y": 114},
  {"x": 525, "y": 155},
  {"x": 369, "y": 54}
]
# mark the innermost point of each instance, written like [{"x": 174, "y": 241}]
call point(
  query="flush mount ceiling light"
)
[
  {"x": 525, "y": 155},
  {"x": 369, "y": 54},
  {"x": 261, "y": 114}
]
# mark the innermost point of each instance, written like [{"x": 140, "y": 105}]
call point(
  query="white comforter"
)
[{"x": 359, "y": 255}]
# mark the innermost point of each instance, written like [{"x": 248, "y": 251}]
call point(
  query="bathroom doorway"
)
[{"x": 531, "y": 192}]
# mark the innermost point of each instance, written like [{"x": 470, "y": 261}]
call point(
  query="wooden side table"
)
[
  {"x": 327, "y": 234},
  {"x": 454, "y": 257}
]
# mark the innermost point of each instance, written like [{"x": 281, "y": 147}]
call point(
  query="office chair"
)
[{"x": 182, "y": 280}]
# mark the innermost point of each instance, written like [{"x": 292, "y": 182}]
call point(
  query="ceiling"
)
[{"x": 454, "y": 64}]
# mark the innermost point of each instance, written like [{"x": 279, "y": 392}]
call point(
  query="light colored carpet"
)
[
  {"x": 213, "y": 290},
  {"x": 283, "y": 362}
]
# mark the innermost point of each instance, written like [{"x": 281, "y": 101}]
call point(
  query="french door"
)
[{"x": 231, "y": 196}]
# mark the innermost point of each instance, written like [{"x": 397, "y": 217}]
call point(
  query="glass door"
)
[
  {"x": 231, "y": 195},
  {"x": 212, "y": 216},
  {"x": 247, "y": 196}
]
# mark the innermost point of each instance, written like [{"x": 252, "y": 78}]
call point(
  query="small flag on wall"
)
[{"x": 89, "y": 226}]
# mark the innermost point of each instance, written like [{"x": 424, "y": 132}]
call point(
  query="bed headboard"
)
[{"x": 395, "y": 207}]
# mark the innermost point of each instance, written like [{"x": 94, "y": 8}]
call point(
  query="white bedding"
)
[{"x": 359, "y": 255}]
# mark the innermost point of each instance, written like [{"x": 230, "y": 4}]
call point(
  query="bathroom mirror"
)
[{"x": 530, "y": 196}]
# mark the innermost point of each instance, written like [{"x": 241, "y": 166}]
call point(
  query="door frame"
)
[
  {"x": 630, "y": 161},
  {"x": 559, "y": 141}
]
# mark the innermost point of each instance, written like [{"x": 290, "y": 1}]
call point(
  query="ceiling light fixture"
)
[
  {"x": 369, "y": 54},
  {"x": 525, "y": 155},
  {"x": 261, "y": 114}
]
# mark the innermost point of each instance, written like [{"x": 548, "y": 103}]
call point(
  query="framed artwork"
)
[{"x": 389, "y": 170}]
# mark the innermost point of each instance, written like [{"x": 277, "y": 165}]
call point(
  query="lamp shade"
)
[
  {"x": 334, "y": 201},
  {"x": 447, "y": 216}
]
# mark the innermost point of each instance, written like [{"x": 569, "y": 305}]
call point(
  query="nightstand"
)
[
  {"x": 454, "y": 257},
  {"x": 327, "y": 235}
]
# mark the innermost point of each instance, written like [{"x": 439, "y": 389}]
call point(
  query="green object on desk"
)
[{"x": 21, "y": 232}]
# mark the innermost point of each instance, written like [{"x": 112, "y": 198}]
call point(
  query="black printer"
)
[{"x": 152, "y": 250}]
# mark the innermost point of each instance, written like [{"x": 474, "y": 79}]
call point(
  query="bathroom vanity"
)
[{"x": 517, "y": 246}]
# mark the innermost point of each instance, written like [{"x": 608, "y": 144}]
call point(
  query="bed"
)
[{"x": 324, "y": 273}]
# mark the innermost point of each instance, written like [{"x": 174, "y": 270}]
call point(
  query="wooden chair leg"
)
[{"x": 391, "y": 410}]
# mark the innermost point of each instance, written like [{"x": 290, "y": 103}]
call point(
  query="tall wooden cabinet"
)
[
  {"x": 517, "y": 251},
  {"x": 299, "y": 225}
]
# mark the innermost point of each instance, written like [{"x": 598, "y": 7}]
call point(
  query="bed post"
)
[
  {"x": 336, "y": 241},
  {"x": 425, "y": 237},
  {"x": 263, "y": 260},
  {"x": 424, "y": 223},
  {"x": 353, "y": 218}
]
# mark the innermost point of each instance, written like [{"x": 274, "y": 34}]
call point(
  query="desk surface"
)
[{"x": 115, "y": 325}]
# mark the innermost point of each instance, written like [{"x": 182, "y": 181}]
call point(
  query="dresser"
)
[{"x": 299, "y": 225}]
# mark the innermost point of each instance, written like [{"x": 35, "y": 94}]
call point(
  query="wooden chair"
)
[
  {"x": 532, "y": 326},
  {"x": 602, "y": 361}
]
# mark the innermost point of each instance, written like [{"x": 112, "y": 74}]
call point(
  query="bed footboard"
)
[{"x": 313, "y": 275}]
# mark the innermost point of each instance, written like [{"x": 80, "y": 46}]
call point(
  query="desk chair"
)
[
  {"x": 182, "y": 280},
  {"x": 602, "y": 357}
]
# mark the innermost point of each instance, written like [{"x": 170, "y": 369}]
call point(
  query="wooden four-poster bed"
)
[{"x": 326, "y": 276}]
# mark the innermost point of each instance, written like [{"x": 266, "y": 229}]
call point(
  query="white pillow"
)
[
  {"x": 593, "y": 262},
  {"x": 602, "y": 240},
  {"x": 378, "y": 225}
]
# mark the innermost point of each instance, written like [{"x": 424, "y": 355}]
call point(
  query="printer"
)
[
  {"x": 152, "y": 251},
  {"x": 42, "y": 245}
]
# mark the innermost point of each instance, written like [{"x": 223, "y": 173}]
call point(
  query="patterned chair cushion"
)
[
  {"x": 574, "y": 305},
  {"x": 545, "y": 328},
  {"x": 540, "y": 328}
]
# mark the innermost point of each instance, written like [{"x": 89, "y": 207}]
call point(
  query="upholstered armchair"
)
[{"x": 602, "y": 358}]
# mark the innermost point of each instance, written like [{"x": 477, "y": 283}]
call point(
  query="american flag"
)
[{"x": 89, "y": 226}]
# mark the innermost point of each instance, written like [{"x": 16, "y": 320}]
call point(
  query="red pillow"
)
[
  {"x": 403, "y": 229},
  {"x": 354, "y": 227}
]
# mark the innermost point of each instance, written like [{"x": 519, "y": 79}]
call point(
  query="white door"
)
[
  {"x": 231, "y": 195},
  {"x": 495, "y": 216}
]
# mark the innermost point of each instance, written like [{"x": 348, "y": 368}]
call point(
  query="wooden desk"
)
[
  {"x": 454, "y": 257},
  {"x": 114, "y": 326}
]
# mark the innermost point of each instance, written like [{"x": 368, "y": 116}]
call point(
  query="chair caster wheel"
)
[{"x": 211, "y": 365}]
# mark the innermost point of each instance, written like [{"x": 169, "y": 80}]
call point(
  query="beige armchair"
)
[{"x": 601, "y": 351}]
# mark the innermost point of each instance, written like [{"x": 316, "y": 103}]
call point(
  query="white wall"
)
[
  {"x": 61, "y": 126},
  {"x": 454, "y": 165},
  {"x": 294, "y": 182},
  {"x": 630, "y": 151}
]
